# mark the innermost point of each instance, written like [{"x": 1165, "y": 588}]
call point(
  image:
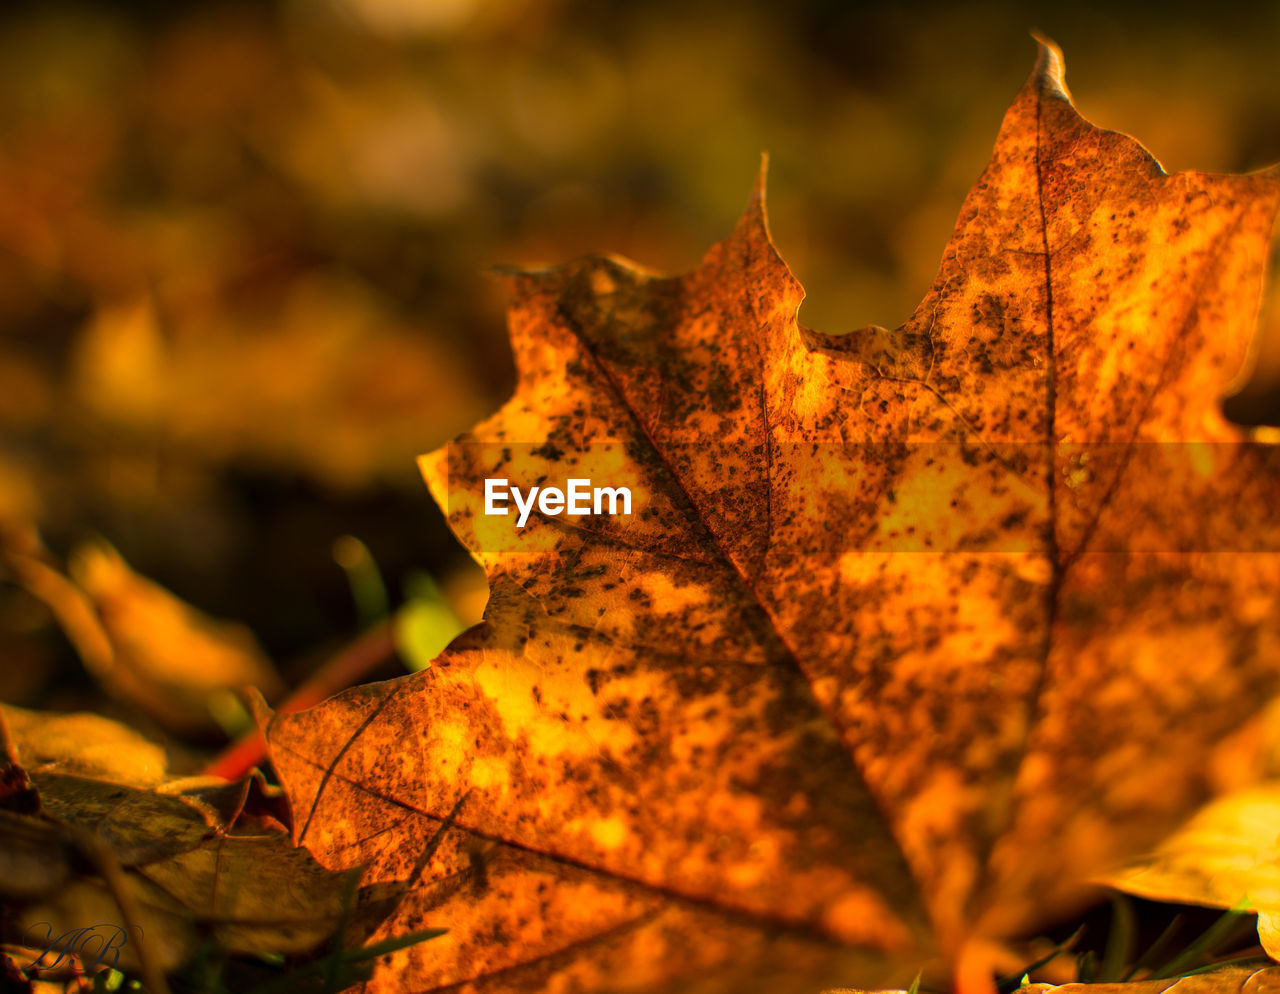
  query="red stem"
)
[{"x": 348, "y": 667}]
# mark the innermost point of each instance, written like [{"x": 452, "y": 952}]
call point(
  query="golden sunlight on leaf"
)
[
  {"x": 909, "y": 634},
  {"x": 86, "y": 745},
  {"x": 1226, "y": 856}
]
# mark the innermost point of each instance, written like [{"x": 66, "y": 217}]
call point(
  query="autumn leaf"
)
[
  {"x": 909, "y": 634},
  {"x": 1227, "y": 856},
  {"x": 143, "y": 644},
  {"x": 172, "y": 659},
  {"x": 106, "y": 839},
  {"x": 1219, "y": 982}
]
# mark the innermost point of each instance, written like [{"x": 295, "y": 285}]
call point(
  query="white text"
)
[{"x": 580, "y": 499}]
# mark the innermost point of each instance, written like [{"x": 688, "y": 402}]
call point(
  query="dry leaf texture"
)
[
  {"x": 190, "y": 864},
  {"x": 909, "y": 633}
]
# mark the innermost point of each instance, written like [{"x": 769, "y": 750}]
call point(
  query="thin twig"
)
[{"x": 108, "y": 867}]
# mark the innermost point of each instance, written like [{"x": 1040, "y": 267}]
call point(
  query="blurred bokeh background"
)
[{"x": 242, "y": 253}]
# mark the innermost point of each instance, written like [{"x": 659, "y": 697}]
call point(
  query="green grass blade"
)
[
  {"x": 1120, "y": 941},
  {"x": 1204, "y": 945},
  {"x": 1012, "y": 981},
  {"x": 1156, "y": 949},
  {"x": 296, "y": 980}
]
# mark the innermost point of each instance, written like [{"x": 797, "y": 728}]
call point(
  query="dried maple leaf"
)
[
  {"x": 105, "y": 838},
  {"x": 910, "y": 631}
]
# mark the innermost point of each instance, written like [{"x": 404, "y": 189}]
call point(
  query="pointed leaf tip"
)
[
  {"x": 1050, "y": 72},
  {"x": 751, "y": 235},
  {"x": 258, "y": 707},
  {"x": 754, "y": 222}
]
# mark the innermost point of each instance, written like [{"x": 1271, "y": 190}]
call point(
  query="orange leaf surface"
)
[{"x": 908, "y": 634}]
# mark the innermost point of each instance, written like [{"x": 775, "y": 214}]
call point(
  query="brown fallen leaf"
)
[
  {"x": 144, "y": 645},
  {"x": 86, "y": 744},
  {"x": 1226, "y": 856},
  {"x": 1228, "y": 981},
  {"x": 164, "y": 655},
  {"x": 160, "y": 863},
  {"x": 908, "y": 635}
]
